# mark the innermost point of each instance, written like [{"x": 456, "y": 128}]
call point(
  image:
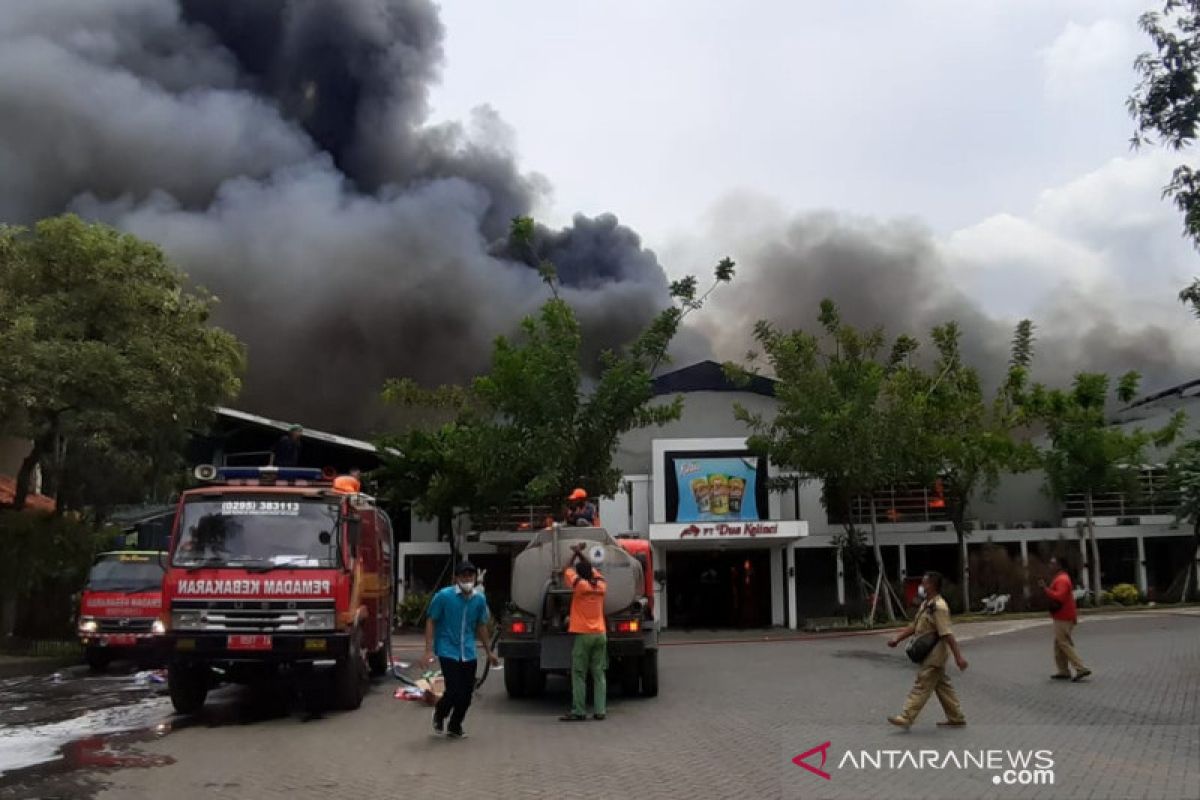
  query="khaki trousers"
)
[
  {"x": 1064, "y": 648},
  {"x": 933, "y": 680}
]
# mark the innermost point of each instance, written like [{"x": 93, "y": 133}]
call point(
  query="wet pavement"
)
[
  {"x": 55, "y": 727},
  {"x": 64, "y": 735}
]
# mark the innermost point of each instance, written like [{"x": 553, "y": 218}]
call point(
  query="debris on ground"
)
[{"x": 149, "y": 676}]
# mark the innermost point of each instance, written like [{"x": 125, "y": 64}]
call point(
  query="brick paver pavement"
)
[{"x": 728, "y": 718}]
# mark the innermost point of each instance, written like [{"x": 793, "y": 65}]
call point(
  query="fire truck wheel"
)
[
  {"x": 514, "y": 677},
  {"x": 188, "y": 687},
  {"x": 379, "y": 660},
  {"x": 650, "y": 673},
  {"x": 97, "y": 659},
  {"x": 351, "y": 676},
  {"x": 535, "y": 679}
]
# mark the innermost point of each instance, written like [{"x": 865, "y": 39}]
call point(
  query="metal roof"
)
[{"x": 320, "y": 436}]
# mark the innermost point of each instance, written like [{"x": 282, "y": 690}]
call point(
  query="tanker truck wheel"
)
[
  {"x": 534, "y": 678},
  {"x": 650, "y": 673},
  {"x": 514, "y": 677},
  {"x": 351, "y": 675},
  {"x": 631, "y": 676},
  {"x": 188, "y": 687}
]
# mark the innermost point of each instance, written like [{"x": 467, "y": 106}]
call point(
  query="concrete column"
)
[
  {"x": 841, "y": 581},
  {"x": 1141, "y": 565},
  {"x": 1025, "y": 565},
  {"x": 903, "y": 563},
  {"x": 789, "y": 576},
  {"x": 777, "y": 586}
]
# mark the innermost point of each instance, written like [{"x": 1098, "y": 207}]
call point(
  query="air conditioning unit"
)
[{"x": 1129, "y": 520}]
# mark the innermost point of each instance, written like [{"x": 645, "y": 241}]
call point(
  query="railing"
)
[
  {"x": 1154, "y": 497},
  {"x": 517, "y": 518},
  {"x": 900, "y": 504}
]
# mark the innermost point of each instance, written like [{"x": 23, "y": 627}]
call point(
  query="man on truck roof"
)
[
  {"x": 590, "y": 649},
  {"x": 581, "y": 512},
  {"x": 457, "y": 623}
]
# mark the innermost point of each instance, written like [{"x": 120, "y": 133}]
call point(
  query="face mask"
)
[
  {"x": 466, "y": 587},
  {"x": 921, "y": 592}
]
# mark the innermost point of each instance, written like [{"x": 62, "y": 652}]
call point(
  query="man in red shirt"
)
[
  {"x": 588, "y": 629},
  {"x": 1061, "y": 594}
]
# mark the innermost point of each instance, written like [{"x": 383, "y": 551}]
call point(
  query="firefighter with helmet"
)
[{"x": 581, "y": 512}]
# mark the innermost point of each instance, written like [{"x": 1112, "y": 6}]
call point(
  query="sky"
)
[{"x": 999, "y": 126}]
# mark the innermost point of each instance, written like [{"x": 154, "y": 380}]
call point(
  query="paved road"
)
[{"x": 728, "y": 721}]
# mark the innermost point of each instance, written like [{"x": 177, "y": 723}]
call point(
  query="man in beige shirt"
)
[{"x": 933, "y": 617}]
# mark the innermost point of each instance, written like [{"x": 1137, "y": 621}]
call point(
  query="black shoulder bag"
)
[{"x": 919, "y": 647}]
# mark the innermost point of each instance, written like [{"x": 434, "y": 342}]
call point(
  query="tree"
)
[
  {"x": 967, "y": 440},
  {"x": 106, "y": 359},
  {"x": 1087, "y": 454},
  {"x": 1165, "y": 105},
  {"x": 1184, "y": 477},
  {"x": 528, "y": 432},
  {"x": 845, "y": 410}
]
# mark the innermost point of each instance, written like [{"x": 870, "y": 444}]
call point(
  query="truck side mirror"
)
[{"x": 353, "y": 534}]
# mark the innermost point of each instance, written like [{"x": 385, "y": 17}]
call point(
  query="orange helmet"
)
[
  {"x": 578, "y": 494},
  {"x": 346, "y": 483}
]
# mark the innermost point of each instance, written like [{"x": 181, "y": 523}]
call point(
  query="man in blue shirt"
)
[{"x": 456, "y": 624}]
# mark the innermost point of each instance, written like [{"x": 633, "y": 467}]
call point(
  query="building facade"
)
[{"x": 770, "y": 557}]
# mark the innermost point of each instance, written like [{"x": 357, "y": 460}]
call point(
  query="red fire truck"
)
[
  {"x": 119, "y": 614},
  {"x": 273, "y": 570}
]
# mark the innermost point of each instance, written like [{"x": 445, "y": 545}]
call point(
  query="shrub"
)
[
  {"x": 1126, "y": 594},
  {"x": 1106, "y": 598},
  {"x": 411, "y": 610}
]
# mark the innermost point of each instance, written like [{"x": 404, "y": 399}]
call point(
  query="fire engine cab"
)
[{"x": 275, "y": 570}]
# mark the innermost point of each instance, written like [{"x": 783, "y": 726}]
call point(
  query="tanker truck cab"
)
[
  {"x": 272, "y": 571},
  {"x": 534, "y": 641},
  {"x": 120, "y": 610}
]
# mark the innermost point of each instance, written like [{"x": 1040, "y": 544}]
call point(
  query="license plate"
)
[
  {"x": 120, "y": 640},
  {"x": 248, "y": 641}
]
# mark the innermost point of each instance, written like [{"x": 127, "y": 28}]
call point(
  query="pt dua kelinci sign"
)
[{"x": 750, "y": 529}]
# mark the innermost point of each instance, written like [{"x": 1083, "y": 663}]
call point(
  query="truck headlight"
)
[
  {"x": 88, "y": 625},
  {"x": 157, "y": 627},
  {"x": 183, "y": 620},
  {"x": 319, "y": 620}
]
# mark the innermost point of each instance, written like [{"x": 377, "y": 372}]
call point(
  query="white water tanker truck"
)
[{"x": 534, "y": 641}]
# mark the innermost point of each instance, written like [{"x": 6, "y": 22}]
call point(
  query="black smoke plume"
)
[{"x": 280, "y": 151}]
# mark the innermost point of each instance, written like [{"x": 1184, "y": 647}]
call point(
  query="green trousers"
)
[{"x": 590, "y": 653}]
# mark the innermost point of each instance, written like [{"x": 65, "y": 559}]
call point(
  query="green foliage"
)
[
  {"x": 106, "y": 360},
  {"x": 411, "y": 610},
  {"x": 1183, "y": 471},
  {"x": 967, "y": 440},
  {"x": 1086, "y": 453},
  {"x": 39, "y": 547},
  {"x": 528, "y": 432},
  {"x": 840, "y": 404},
  {"x": 1106, "y": 598},
  {"x": 1126, "y": 594},
  {"x": 1165, "y": 105}
]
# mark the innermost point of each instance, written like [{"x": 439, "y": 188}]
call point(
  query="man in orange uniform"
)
[
  {"x": 590, "y": 649},
  {"x": 1061, "y": 594}
]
